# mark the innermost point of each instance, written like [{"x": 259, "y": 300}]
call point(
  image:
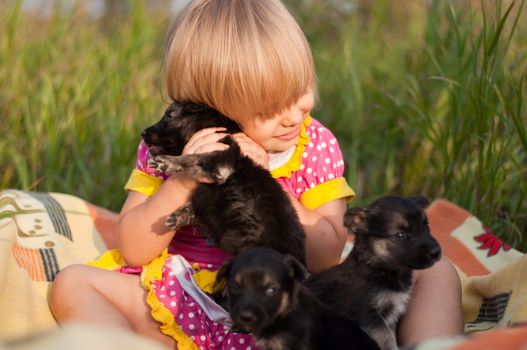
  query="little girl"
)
[{"x": 250, "y": 60}]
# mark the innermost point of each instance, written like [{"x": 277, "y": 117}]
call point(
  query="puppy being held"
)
[
  {"x": 265, "y": 297},
  {"x": 373, "y": 284},
  {"x": 236, "y": 202}
]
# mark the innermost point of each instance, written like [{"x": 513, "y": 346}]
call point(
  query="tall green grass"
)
[
  {"x": 425, "y": 98},
  {"x": 75, "y": 95}
]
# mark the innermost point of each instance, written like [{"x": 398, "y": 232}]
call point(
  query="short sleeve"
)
[
  {"x": 144, "y": 179},
  {"x": 320, "y": 177}
]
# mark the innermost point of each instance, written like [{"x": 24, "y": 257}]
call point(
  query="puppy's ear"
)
[
  {"x": 421, "y": 201},
  {"x": 355, "y": 220},
  {"x": 294, "y": 268},
  {"x": 174, "y": 109},
  {"x": 222, "y": 276}
]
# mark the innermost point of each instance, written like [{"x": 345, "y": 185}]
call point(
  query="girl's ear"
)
[
  {"x": 295, "y": 269},
  {"x": 222, "y": 276},
  {"x": 421, "y": 201},
  {"x": 355, "y": 220}
]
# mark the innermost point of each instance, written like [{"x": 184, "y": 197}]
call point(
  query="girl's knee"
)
[
  {"x": 446, "y": 270},
  {"x": 68, "y": 281},
  {"x": 442, "y": 273}
]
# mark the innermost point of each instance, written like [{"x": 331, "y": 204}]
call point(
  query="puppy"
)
[
  {"x": 237, "y": 203},
  {"x": 265, "y": 297},
  {"x": 373, "y": 284}
]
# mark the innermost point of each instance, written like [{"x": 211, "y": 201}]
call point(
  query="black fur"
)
[
  {"x": 374, "y": 282},
  {"x": 265, "y": 297},
  {"x": 236, "y": 202}
]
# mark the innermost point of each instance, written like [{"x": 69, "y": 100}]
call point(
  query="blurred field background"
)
[{"x": 426, "y": 97}]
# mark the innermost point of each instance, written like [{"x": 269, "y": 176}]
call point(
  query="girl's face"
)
[{"x": 280, "y": 132}]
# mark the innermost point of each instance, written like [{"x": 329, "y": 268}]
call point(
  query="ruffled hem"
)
[
  {"x": 152, "y": 273},
  {"x": 296, "y": 159}
]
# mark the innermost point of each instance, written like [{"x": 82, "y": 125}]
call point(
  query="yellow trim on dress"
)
[
  {"x": 142, "y": 182},
  {"x": 206, "y": 280},
  {"x": 293, "y": 164},
  {"x": 326, "y": 192},
  {"x": 151, "y": 273},
  {"x": 109, "y": 260}
]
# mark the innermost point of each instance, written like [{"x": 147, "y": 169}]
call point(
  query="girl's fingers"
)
[
  {"x": 197, "y": 142},
  {"x": 210, "y": 147},
  {"x": 252, "y": 150},
  {"x": 204, "y": 133},
  {"x": 206, "y": 140}
]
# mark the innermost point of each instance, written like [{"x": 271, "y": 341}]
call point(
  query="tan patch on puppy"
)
[
  {"x": 284, "y": 304},
  {"x": 238, "y": 279},
  {"x": 266, "y": 279},
  {"x": 380, "y": 248},
  {"x": 224, "y": 173}
]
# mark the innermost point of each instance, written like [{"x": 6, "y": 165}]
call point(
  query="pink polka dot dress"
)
[{"x": 178, "y": 283}]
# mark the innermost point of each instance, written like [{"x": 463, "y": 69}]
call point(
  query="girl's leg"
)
[
  {"x": 102, "y": 297},
  {"x": 434, "y": 309}
]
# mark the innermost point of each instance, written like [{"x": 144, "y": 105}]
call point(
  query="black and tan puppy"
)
[
  {"x": 374, "y": 282},
  {"x": 236, "y": 202},
  {"x": 265, "y": 297}
]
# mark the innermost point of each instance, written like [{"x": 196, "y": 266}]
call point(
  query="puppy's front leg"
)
[
  {"x": 181, "y": 217},
  {"x": 189, "y": 164},
  {"x": 384, "y": 336}
]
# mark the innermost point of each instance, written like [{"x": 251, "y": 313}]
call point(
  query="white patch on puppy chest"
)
[
  {"x": 399, "y": 300},
  {"x": 273, "y": 343}
]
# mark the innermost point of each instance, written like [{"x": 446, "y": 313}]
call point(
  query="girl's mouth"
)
[{"x": 290, "y": 135}]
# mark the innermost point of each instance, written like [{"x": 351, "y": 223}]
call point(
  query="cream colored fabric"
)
[
  {"x": 40, "y": 233},
  {"x": 83, "y": 337}
]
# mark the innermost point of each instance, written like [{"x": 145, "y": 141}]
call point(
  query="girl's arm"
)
[
  {"x": 141, "y": 230},
  {"x": 325, "y": 231}
]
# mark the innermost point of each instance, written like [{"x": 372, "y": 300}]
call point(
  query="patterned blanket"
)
[{"x": 40, "y": 233}]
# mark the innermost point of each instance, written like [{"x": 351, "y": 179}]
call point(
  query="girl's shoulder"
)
[
  {"x": 321, "y": 140},
  {"x": 317, "y": 148}
]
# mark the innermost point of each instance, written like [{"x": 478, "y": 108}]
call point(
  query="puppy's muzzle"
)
[
  {"x": 434, "y": 253},
  {"x": 247, "y": 320}
]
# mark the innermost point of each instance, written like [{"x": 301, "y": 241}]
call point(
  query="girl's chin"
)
[{"x": 281, "y": 146}]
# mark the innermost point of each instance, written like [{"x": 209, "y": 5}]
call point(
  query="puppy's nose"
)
[
  {"x": 435, "y": 252},
  {"x": 247, "y": 316},
  {"x": 146, "y": 137}
]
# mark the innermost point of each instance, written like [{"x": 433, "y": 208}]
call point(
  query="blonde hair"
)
[{"x": 238, "y": 56}]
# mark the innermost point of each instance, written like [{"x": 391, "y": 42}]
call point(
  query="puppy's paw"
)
[
  {"x": 152, "y": 164},
  {"x": 166, "y": 164},
  {"x": 179, "y": 218}
]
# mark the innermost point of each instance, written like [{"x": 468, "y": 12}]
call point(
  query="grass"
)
[{"x": 425, "y": 97}]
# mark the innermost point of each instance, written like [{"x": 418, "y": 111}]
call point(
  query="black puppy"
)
[
  {"x": 265, "y": 297},
  {"x": 374, "y": 282},
  {"x": 236, "y": 202}
]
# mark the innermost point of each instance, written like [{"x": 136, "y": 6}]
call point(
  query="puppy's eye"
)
[
  {"x": 401, "y": 235},
  {"x": 271, "y": 290},
  {"x": 235, "y": 287}
]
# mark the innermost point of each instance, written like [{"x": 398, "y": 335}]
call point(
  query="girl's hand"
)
[
  {"x": 205, "y": 141},
  {"x": 252, "y": 150}
]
